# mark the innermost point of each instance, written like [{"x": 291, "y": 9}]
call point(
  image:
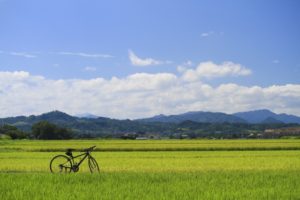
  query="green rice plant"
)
[
  {"x": 150, "y": 145},
  {"x": 134, "y": 185},
  {"x": 174, "y": 161}
]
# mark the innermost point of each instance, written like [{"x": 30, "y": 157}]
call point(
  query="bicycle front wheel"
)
[
  {"x": 60, "y": 164},
  {"x": 93, "y": 165}
]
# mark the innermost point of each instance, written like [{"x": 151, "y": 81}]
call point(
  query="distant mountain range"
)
[
  {"x": 83, "y": 125},
  {"x": 253, "y": 117},
  {"x": 204, "y": 117},
  {"x": 94, "y": 125},
  {"x": 193, "y": 124},
  {"x": 261, "y": 116}
]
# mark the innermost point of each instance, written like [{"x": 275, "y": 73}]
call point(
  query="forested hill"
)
[
  {"x": 262, "y": 116},
  {"x": 203, "y": 117},
  {"x": 80, "y": 125},
  {"x": 254, "y": 117}
]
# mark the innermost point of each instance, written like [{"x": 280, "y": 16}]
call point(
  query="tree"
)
[
  {"x": 12, "y": 132},
  {"x": 48, "y": 131}
]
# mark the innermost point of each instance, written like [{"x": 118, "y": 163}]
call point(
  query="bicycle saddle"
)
[{"x": 69, "y": 150}]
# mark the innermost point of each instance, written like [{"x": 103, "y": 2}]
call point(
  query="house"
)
[{"x": 289, "y": 131}]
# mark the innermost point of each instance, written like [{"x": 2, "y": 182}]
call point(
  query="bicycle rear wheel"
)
[
  {"x": 93, "y": 165},
  {"x": 60, "y": 164}
]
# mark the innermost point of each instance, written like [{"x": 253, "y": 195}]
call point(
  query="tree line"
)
[{"x": 42, "y": 130}]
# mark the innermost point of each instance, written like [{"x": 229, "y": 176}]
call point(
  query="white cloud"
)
[
  {"x": 183, "y": 67},
  {"x": 87, "y": 55},
  {"x": 207, "y": 34},
  {"x": 211, "y": 70},
  {"x": 188, "y": 63},
  {"x": 91, "y": 69},
  {"x": 142, "y": 82},
  {"x": 137, "y": 95},
  {"x": 135, "y": 60},
  {"x": 211, "y": 33},
  {"x": 23, "y": 54}
]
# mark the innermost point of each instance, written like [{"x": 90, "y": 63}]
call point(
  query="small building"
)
[
  {"x": 141, "y": 138},
  {"x": 275, "y": 133}
]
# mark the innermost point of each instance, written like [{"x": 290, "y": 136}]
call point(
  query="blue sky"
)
[{"x": 86, "y": 40}]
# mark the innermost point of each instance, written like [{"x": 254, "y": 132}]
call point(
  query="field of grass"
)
[
  {"x": 125, "y": 185},
  {"x": 165, "y": 169},
  {"x": 151, "y": 145}
]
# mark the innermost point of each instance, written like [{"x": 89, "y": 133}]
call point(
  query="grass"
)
[
  {"x": 151, "y": 145},
  {"x": 181, "y": 161},
  {"x": 129, "y": 185},
  {"x": 158, "y": 174}
]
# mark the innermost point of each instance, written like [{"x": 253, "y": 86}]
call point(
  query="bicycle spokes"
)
[
  {"x": 93, "y": 165},
  {"x": 60, "y": 164}
]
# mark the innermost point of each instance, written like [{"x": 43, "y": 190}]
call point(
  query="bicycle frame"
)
[{"x": 86, "y": 154}]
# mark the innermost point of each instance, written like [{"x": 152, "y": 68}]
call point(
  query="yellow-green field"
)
[
  {"x": 150, "y": 145},
  {"x": 155, "y": 169},
  {"x": 175, "y": 161}
]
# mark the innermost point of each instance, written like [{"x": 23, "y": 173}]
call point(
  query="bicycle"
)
[{"x": 67, "y": 164}]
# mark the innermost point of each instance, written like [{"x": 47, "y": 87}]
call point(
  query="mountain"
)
[
  {"x": 259, "y": 116},
  {"x": 256, "y": 116},
  {"x": 83, "y": 126},
  {"x": 56, "y": 117},
  {"x": 271, "y": 120},
  {"x": 288, "y": 118},
  {"x": 25, "y": 123},
  {"x": 203, "y": 117},
  {"x": 91, "y": 123},
  {"x": 87, "y": 115},
  {"x": 194, "y": 124}
]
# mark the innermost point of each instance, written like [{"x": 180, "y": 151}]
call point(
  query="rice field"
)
[
  {"x": 151, "y": 145},
  {"x": 158, "y": 169}
]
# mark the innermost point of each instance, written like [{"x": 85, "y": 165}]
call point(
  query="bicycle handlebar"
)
[{"x": 90, "y": 149}]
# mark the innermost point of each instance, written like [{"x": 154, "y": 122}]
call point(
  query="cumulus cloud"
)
[
  {"x": 183, "y": 67},
  {"x": 137, "y": 95},
  {"x": 135, "y": 60},
  {"x": 143, "y": 82},
  {"x": 211, "y": 70},
  {"x": 87, "y": 55},
  {"x": 23, "y": 54}
]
